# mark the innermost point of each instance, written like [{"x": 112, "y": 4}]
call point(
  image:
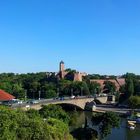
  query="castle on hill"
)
[{"x": 69, "y": 74}]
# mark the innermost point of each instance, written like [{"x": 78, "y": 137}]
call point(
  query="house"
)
[
  {"x": 118, "y": 82},
  {"x": 4, "y": 96}
]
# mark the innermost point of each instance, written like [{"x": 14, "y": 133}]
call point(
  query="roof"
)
[
  {"x": 61, "y": 62},
  {"x": 4, "y": 96},
  {"x": 121, "y": 81},
  {"x": 101, "y": 82}
]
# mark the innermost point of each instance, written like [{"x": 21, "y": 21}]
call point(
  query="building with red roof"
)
[
  {"x": 118, "y": 82},
  {"x": 4, "y": 96}
]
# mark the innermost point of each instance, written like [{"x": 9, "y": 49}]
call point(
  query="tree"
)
[
  {"x": 129, "y": 87},
  {"x": 134, "y": 102},
  {"x": 122, "y": 89},
  {"x": 64, "y": 87},
  {"x": 18, "y": 91},
  {"x": 50, "y": 94},
  {"x": 110, "y": 86},
  {"x": 54, "y": 111},
  {"x": 7, "y": 86},
  {"x": 136, "y": 87},
  {"x": 105, "y": 122},
  {"x": 94, "y": 88},
  {"x": 19, "y": 125},
  {"x": 80, "y": 88}
]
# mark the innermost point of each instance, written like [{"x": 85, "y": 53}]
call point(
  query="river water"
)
[{"x": 122, "y": 133}]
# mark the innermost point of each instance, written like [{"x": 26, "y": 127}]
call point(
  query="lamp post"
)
[
  {"x": 39, "y": 94},
  {"x": 57, "y": 92},
  {"x": 25, "y": 95},
  {"x": 71, "y": 91}
]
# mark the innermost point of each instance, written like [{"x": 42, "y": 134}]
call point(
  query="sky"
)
[{"x": 93, "y": 36}]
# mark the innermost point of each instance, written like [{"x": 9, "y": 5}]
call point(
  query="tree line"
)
[
  {"x": 131, "y": 90},
  {"x": 48, "y": 85},
  {"x": 49, "y": 123}
]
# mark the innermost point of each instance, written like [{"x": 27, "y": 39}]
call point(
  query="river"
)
[{"x": 122, "y": 133}]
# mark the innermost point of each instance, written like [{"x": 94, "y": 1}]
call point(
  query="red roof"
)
[
  {"x": 4, "y": 96},
  {"x": 121, "y": 81},
  {"x": 101, "y": 82}
]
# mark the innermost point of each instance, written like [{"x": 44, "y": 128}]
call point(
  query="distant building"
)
[
  {"x": 63, "y": 74},
  {"x": 4, "y": 96},
  {"x": 118, "y": 82}
]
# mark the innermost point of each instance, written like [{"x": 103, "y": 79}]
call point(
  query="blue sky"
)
[{"x": 93, "y": 36}]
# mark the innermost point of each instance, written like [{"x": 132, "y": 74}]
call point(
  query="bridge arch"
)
[{"x": 70, "y": 106}]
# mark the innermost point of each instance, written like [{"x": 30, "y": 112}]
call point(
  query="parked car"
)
[
  {"x": 72, "y": 97},
  {"x": 55, "y": 98},
  {"x": 33, "y": 102},
  {"x": 12, "y": 102},
  {"x": 16, "y": 101},
  {"x": 61, "y": 98}
]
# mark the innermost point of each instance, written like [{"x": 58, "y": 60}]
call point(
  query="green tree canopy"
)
[
  {"x": 110, "y": 86},
  {"x": 134, "y": 102},
  {"x": 19, "y": 125},
  {"x": 95, "y": 88},
  {"x": 105, "y": 122},
  {"x": 54, "y": 111}
]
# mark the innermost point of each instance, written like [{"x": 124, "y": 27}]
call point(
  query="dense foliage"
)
[
  {"x": 48, "y": 85},
  {"x": 106, "y": 122},
  {"x": 134, "y": 102},
  {"x": 109, "y": 87},
  {"x": 54, "y": 111},
  {"x": 131, "y": 88},
  {"x": 19, "y": 125},
  {"x": 43, "y": 85}
]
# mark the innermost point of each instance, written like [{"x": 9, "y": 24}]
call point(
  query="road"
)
[
  {"x": 44, "y": 101},
  {"x": 104, "y": 108},
  {"x": 99, "y": 108}
]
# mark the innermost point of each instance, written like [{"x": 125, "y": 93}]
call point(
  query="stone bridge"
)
[{"x": 82, "y": 103}]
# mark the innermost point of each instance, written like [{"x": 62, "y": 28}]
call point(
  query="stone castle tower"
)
[
  {"x": 77, "y": 76},
  {"x": 62, "y": 66},
  {"x": 62, "y": 69}
]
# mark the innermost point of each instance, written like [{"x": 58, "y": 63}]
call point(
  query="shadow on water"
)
[
  {"x": 79, "y": 132},
  {"x": 85, "y": 134},
  {"x": 80, "y": 126}
]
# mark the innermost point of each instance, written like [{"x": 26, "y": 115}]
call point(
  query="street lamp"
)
[
  {"x": 81, "y": 91},
  {"x": 71, "y": 91},
  {"x": 25, "y": 95},
  {"x": 57, "y": 92},
  {"x": 39, "y": 94}
]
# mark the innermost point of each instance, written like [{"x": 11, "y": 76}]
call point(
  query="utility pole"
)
[
  {"x": 25, "y": 95},
  {"x": 39, "y": 94},
  {"x": 71, "y": 91},
  {"x": 57, "y": 92}
]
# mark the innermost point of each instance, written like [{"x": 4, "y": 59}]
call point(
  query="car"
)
[
  {"x": 55, "y": 98},
  {"x": 33, "y": 102},
  {"x": 62, "y": 98},
  {"x": 72, "y": 97},
  {"x": 12, "y": 102}
]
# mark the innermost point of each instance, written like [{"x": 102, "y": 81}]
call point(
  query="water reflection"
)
[{"x": 122, "y": 133}]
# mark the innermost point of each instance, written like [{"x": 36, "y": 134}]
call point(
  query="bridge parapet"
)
[{"x": 76, "y": 102}]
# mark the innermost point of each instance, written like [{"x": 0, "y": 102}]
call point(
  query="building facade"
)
[{"x": 70, "y": 75}]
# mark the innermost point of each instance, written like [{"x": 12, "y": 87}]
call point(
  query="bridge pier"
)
[{"x": 90, "y": 106}]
